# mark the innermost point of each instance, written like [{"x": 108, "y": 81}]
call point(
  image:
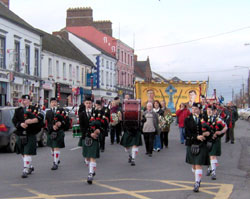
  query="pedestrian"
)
[
  {"x": 28, "y": 122},
  {"x": 150, "y": 127},
  {"x": 168, "y": 119},
  {"x": 56, "y": 122},
  {"x": 90, "y": 128},
  {"x": 160, "y": 113},
  {"x": 115, "y": 122},
  {"x": 197, "y": 152},
  {"x": 182, "y": 113}
]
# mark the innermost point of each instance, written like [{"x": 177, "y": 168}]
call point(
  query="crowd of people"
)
[{"x": 201, "y": 127}]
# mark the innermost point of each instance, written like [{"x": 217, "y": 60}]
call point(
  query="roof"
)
[
  {"x": 158, "y": 77},
  {"x": 140, "y": 68},
  {"x": 63, "y": 47},
  {"x": 94, "y": 46},
  {"x": 12, "y": 17}
]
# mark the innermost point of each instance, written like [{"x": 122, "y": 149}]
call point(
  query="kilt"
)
[
  {"x": 27, "y": 149},
  {"x": 92, "y": 151},
  {"x": 216, "y": 148},
  {"x": 129, "y": 140},
  {"x": 58, "y": 142},
  {"x": 201, "y": 159}
]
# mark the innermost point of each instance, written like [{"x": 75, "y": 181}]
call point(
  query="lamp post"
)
[{"x": 248, "y": 82}]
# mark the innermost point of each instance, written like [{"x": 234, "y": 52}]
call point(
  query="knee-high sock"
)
[
  {"x": 26, "y": 162},
  {"x": 56, "y": 156},
  {"x": 198, "y": 175},
  {"x": 134, "y": 152},
  {"x": 92, "y": 167},
  {"x": 86, "y": 162},
  {"x": 193, "y": 171},
  {"x": 213, "y": 165}
]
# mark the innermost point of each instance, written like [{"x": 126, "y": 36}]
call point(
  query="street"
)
[{"x": 165, "y": 175}]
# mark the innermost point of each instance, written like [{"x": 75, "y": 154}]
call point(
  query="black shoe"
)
[
  {"x": 132, "y": 162},
  {"x": 209, "y": 172},
  {"x": 196, "y": 187},
  {"x": 102, "y": 150},
  {"x": 30, "y": 170},
  {"x": 59, "y": 162},
  {"x": 213, "y": 176},
  {"x": 93, "y": 174},
  {"x": 129, "y": 159},
  {"x": 90, "y": 178},
  {"x": 232, "y": 142},
  {"x": 150, "y": 155},
  {"x": 25, "y": 174},
  {"x": 54, "y": 167}
]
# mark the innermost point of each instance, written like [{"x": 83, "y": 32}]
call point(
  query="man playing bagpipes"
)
[
  {"x": 217, "y": 128},
  {"x": 28, "y": 122},
  {"x": 90, "y": 127},
  {"x": 56, "y": 123}
]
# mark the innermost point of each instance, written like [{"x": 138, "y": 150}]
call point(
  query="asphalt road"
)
[{"x": 165, "y": 175}]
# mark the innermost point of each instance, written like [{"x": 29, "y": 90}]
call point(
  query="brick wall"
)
[{"x": 79, "y": 17}]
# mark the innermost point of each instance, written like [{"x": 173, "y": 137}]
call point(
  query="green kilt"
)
[
  {"x": 92, "y": 151},
  {"x": 27, "y": 149},
  {"x": 58, "y": 142},
  {"x": 129, "y": 140},
  {"x": 216, "y": 148},
  {"x": 201, "y": 159}
]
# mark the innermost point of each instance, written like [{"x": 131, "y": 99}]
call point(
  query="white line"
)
[{"x": 75, "y": 148}]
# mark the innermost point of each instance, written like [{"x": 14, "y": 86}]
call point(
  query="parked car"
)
[
  {"x": 7, "y": 128},
  {"x": 241, "y": 112},
  {"x": 246, "y": 114}
]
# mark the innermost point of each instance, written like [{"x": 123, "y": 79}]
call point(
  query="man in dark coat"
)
[{"x": 28, "y": 122}]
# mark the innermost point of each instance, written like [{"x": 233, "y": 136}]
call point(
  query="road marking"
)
[{"x": 75, "y": 148}]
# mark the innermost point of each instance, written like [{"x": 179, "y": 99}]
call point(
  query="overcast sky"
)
[{"x": 148, "y": 24}]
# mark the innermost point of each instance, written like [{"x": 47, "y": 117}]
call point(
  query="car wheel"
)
[
  {"x": 43, "y": 139},
  {"x": 12, "y": 143}
]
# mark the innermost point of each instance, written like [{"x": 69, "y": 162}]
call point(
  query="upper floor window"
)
[
  {"x": 102, "y": 77},
  {"x": 50, "y": 67},
  {"x": 118, "y": 54},
  {"x": 107, "y": 64},
  {"x": 70, "y": 72},
  {"x": 64, "y": 71},
  {"x": 102, "y": 62},
  {"x": 36, "y": 67},
  {"x": 27, "y": 59},
  {"x": 122, "y": 56},
  {"x": 83, "y": 76},
  {"x": 107, "y": 77},
  {"x": 57, "y": 69},
  {"x": 125, "y": 57},
  {"x": 105, "y": 39},
  {"x": 17, "y": 56},
  {"x": 2, "y": 52},
  {"x": 77, "y": 73}
]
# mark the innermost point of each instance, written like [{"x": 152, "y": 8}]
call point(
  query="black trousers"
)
[
  {"x": 230, "y": 134},
  {"x": 164, "y": 138},
  {"x": 102, "y": 141},
  {"x": 115, "y": 131},
  {"x": 149, "y": 141}
]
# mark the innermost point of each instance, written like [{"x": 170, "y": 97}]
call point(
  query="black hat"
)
[
  {"x": 26, "y": 97},
  {"x": 198, "y": 105},
  {"x": 116, "y": 98},
  {"x": 88, "y": 98},
  {"x": 98, "y": 102},
  {"x": 53, "y": 99}
]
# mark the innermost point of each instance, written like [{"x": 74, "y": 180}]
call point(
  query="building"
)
[
  {"x": 20, "y": 58},
  {"x": 142, "y": 70},
  {"x": 64, "y": 71}
]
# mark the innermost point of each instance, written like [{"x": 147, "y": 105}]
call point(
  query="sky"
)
[{"x": 190, "y": 39}]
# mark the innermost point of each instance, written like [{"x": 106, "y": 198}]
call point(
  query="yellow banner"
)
[{"x": 173, "y": 93}]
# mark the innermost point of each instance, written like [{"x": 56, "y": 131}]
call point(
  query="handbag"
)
[
  {"x": 53, "y": 135},
  {"x": 23, "y": 139},
  {"x": 88, "y": 141},
  {"x": 195, "y": 149}
]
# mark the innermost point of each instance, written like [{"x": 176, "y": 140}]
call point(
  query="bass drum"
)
[{"x": 131, "y": 113}]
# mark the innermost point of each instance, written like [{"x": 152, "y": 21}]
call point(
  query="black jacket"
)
[{"x": 50, "y": 118}]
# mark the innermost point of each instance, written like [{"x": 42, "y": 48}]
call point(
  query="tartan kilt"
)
[
  {"x": 27, "y": 149},
  {"x": 129, "y": 140},
  {"x": 201, "y": 159},
  {"x": 216, "y": 148},
  {"x": 58, "y": 142},
  {"x": 92, "y": 151}
]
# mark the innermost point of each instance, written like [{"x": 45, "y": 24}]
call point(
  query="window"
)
[
  {"x": 102, "y": 77},
  {"x": 83, "y": 75},
  {"x": 57, "y": 69},
  {"x": 125, "y": 57},
  {"x": 105, "y": 39},
  {"x": 128, "y": 59},
  {"x": 114, "y": 83},
  {"x": 50, "y": 67},
  {"x": 118, "y": 54},
  {"x": 77, "y": 73},
  {"x": 27, "y": 59},
  {"x": 113, "y": 48},
  {"x": 107, "y": 64},
  {"x": 131, "y": 60},
  {"x": 70, "y": 72},
  {"x": 36, "y": 68},
  {"x": 64, "y": 71},
  {"x": 122, "y": 56},
  {"x": 110, "y": 80},
  {"x": 17, "y": 56},
  {"x": 102, "y": 62},
  {"x": 2, "y": 52},
  {"x": 107, "y": 76},
  {"x": 111, "y": 65}
]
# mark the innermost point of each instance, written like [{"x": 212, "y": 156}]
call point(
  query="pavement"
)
[{"x": 165, "y": 175}]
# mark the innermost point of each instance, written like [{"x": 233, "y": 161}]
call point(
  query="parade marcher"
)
[
  {"x": 119, "y": 127},
  {"x": 157, "y": 109},
  {"x": 90, "y": 128},
  {"x": 167, "y": 120},
  {"x": 150, "y": 127},
  {"x": 115, "y": 122},
  {"x": 231, "y": 120},
  {"x": 197, "y": 152},
  {"x": 217, "y": 130},
  {"x": 103, "y": 114},
  {"x": 28, "y": 122},
  {"x": 182, "y": 114},
  {"x": 56, "y": 123}
]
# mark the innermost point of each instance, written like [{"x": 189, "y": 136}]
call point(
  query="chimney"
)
[
  {"x": 5, "y": 2},
  {"x": 135, "y": 58},
  {"x": 62, "y": 34},
  {"x": 79, "y": 17},
  {"x": 104, "y": 26}
]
